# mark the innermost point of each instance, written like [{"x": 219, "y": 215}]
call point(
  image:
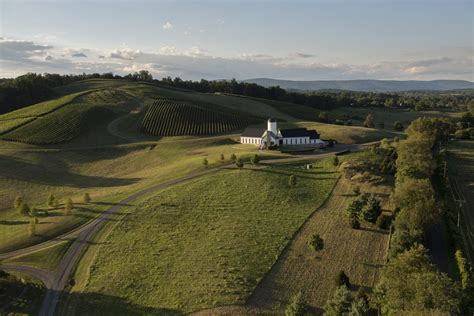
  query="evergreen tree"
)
[
  {"x": 369, "y": 121},
  {"x": 297, "y": 306},
  {"x": 24, "y": 209},
  {"x": 372, "y": 209},
  {"x": 18, "y": 201},
  {"x": 292, "y": 180},
  {"x": 87, "y": 198},
  {"x": 239, "y": 163},
  {"x": 68, "y": 207},
  {"x": 340, "y": 304},
  {"x": 222, "y": 157},
  {"x": 51, "y": 200},
  {"x": 255, "y": 159},
  {"x": 205, "y": 162},
  {"x": 335, "y": 161},
  {"x": 233, "y": 158}
]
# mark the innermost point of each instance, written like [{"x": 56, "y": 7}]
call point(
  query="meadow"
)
[{"x": 211, "y": 240}]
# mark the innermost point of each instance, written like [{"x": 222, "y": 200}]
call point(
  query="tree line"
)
[{"x": 32, "y": 88}]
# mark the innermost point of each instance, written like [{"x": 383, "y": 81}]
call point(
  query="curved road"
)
[{"x": 57, "y": 280}]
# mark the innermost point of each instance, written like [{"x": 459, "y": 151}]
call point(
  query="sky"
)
[{"x": 294, "y": 40}]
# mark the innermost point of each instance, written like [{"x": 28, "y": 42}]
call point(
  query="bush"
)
[
  {"x": 239, "y": 163},
  {"x": 342, "y": 279},
  {"x": 86, "y": 198},
  {"x": 18, "y": 202},
  {"x": 222, "y": 157},
  {"x": 297, "y": 306},
  {"x": 51, "y": 200},
  {"x": 382, "y": 222},
  {"x": 233, "y": 158},
  {"x": 316, "y": 242},
  {"x": 335, "y": 161},
  {"x": 24, "y": 209},
  {"x": 356, "y": 190},
  {"x": 205, "y": 162},
  {"x": 355, "y": 223},
  {"x": 398, "y": 126}
]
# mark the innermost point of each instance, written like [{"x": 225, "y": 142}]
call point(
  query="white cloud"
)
[
  {"x": 167, "y": 26},
  {"x": 126, "y": 53},
  {"x": 168, "y": 50}
]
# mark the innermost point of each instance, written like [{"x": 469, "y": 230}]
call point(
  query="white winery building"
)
[{"x": 272, "y": 136}]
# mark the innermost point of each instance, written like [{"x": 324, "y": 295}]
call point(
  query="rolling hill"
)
[{"x": 365, "y": 85}]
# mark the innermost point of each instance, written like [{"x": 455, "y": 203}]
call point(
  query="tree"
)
[
  {"x": 205, "y": 162},
  {"x": 297, "y": 306},
  {"x": 255, "y": 159},
  {"x": 233, "y": 158},
  {"x": 222, "y": 157},
  {"x": 51, "y": 200},
  {"x": 18, "y": 202},
  {"x": 24, "y": 209},
  {"x": 68, "y": 207},
  {"x": 360, "y": 305},
  {"x": 316, "y": 242},
  {"x": 356, "y": 190},
  {"x": 239, "y": 163},
  {"x": 335, "y": 161},
  {"x": 323, "y": 117},
  {"x": 32, "y": 227},
  {"x": 355, "y": 223},
  {"x": 398, "y": 126},
  {"x": 34, "y": 212},
  {"x": 86, "y": 198},
  {"x": 292, "y": 180},
  {"x": 411, "y": 283},
  {"x": 342, "y": 279},
  {"x": 340, "y": 303},
  {"x": 372, "y": 209},
  {"x": 355, "y": 207},
  {"x": 369, "y": 121}
]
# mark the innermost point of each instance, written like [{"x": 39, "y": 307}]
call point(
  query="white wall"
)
[{"x": 250, "y": 140}]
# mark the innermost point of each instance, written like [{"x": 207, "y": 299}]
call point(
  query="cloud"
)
[
  {"x": 301, "y": 55},
  {"x": 167, "y": 26},
  {"x": 79, "y": 55},
  {"x": 168, "y": 50},
  {"x": 11, "y": 49},
  {"x": 127, "y": 54},
  {"x": 48, "y": 58}
]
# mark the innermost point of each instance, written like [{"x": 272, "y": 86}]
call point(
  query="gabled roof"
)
[
  {"x": 253, "y": 132},
  {"x": 271, "y": 134},
  {"x": 313, "y": 134},
  {"x": 294, "y": 132}
]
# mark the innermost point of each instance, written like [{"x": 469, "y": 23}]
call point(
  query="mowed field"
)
[
  {"x": 204, "y": 243},
  {"x": 461, "y": 174}
]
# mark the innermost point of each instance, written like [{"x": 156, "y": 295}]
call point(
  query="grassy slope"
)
[
  {"x": 46, "y": 259},
  {"x": 210, "y": 241}
]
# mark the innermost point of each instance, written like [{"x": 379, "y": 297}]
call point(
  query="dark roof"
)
[
  {"x": 271, "y": 119},
  {"x": 313, "y": 134},
  {"x": 294, "y": 132},
  {"x": 253, "y": 132}
]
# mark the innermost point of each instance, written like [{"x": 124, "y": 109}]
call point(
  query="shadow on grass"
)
[
  {"x": 374, "y": 230},
  {"x": 55, "y": 172},
  {"x": 111, "y": 204},
  {"x": 102, "y": 304},
  {"x": 13, "y": 222},
  {"x": 299, "y": 174}
]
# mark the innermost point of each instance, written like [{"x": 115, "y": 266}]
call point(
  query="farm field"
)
[
  {"x": 461, "y": 173},
  {"x": 224, "y": 239}
]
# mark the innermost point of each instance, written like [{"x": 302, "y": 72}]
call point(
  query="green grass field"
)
[{"x": 211, "y": 240}]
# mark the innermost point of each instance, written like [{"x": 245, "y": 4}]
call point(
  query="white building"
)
[{"x": 271, "y": 136}]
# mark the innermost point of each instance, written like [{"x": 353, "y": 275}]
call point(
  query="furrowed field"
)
[{"x": 211, "y": 240}]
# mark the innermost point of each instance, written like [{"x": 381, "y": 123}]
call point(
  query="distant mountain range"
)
[{"x": 365, "y": 85}]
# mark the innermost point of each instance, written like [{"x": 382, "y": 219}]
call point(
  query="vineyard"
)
[
  {"x": 59, "y": 126},
  {"x": 175, "y": 118},
  {"x": 42, "y": 108},
  {"x": 105, "y": 96},
  {"x": 9, "y": 125}
]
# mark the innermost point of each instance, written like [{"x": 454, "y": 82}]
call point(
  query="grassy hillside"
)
[
  {"x": 211, "y": 241},
  {"x": 175, "y": 118}
]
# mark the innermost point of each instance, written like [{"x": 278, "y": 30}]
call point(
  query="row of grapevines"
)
[
  {"x": 59, "y": 126},
  {"x": 174, "y": 118}
]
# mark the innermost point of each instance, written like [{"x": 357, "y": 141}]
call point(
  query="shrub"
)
[
  {"x": 342, "y": 279},
  {"x": 382, "y": 222},
  {"x": 222, "y": 157},
  {"x": 316, "y": 242},
  {"x": 398, "y": 126},
  {"x": 335, "y": 161},
  {"x": 297, "y": 306},
  {"x": 233, "y": 158},
  {"x": 355, "y": 223},
  {"x": 86, "y": 198},
  {"x": 292, "y": 180},
  {"x": 205, "y": 162},
  {"x": 68, "y": 207}
]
